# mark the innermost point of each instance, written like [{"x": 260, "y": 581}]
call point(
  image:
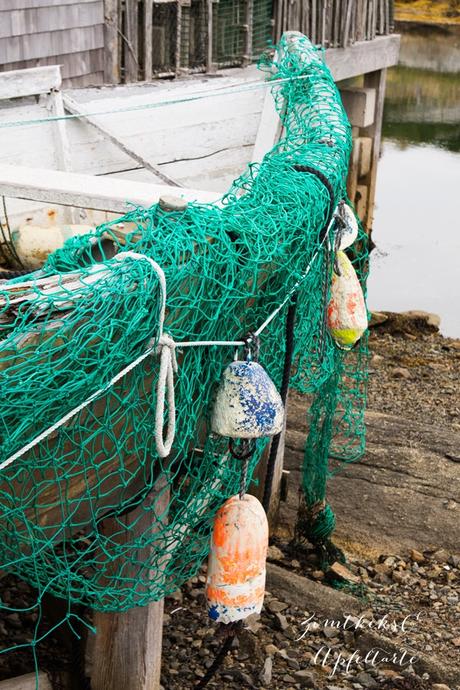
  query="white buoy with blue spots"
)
[{"x": 247, "y": 403}]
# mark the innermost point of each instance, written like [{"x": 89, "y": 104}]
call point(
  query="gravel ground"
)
[
  {"x": 414, "y": 373},
  {"x": 414, "y": 599}
]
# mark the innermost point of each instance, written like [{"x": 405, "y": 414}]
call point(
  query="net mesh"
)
[{"x": 91, "y": 513}]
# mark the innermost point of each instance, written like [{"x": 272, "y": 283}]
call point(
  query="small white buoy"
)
[
  {"x": 235, "y": 585},
  {"x": 247, "y": 404},
  {"x": 349, "y": 231},
  {"x": 34, "y": 243},
  {"x": 346, "y": 312}
]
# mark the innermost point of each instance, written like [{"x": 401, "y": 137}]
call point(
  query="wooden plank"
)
[
  {"x": 61, "y": 145},
  {"x": 47, "y": 19},
  {"x": 148, "y": 48},
  {"x": 34, "y": 46},
  {"x": 248, "y": 30},
  {"x": 27, "y": 682},
  {"x": 361, "y": 201},
  {"x": 88, "y": 191},
  {"x": 178, "y": 51},
  {"x": 31, "y": 82},
  {"x": 347, "y": 26},
  {"x": 270, "y": 125},
  {"x": 365, "y": 155},
  {"x": 359, "y": 104},
  {"x": 210, "y": 64},
  {"x": 269, "y": 128},
  {"x": 377, "y": 81},
  {"x": 127, "y": 649},
  {"x": 75, "y": 108},
  {"x": 112, "y": 42},
  {"x": 131, "y": 41},
  {"x": 363, "y": 57},
  {"x": 353, "y": 172}
]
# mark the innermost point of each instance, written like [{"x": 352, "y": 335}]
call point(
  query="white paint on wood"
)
[
  {"x": 61, "y": 143},
  {"x": 75, "y": 108},
  {"x": 30, "y": 82},
  {"x": 212, "y": 141},
  {"x": 70, "y": 189},
  {"x": 269, "y": 128}
]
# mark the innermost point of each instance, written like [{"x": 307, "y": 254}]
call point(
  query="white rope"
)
[
  {"x": 166, "y": 347},
  {"x": 168, "y": 367}
]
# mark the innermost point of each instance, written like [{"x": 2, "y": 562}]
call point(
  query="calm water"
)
[{"x": 417, "y": 221}]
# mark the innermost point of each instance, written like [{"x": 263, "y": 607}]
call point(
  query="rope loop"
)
[{"x": 165, "y": 389}]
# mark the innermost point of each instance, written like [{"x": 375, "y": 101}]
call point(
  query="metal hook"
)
[{"x": 251, "y": 347}]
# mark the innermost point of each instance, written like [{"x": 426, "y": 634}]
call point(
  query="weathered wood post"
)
[
  {"x": 127, "y": 651},
  {"x": 127, "y": 648},
  {"x": 111, "y": 42},
  {"x": 377, "y": 81}
]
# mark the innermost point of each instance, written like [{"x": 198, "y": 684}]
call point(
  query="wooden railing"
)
[
  {"x": 334, "y": 23},
  {"x": 165, "y": 37}
]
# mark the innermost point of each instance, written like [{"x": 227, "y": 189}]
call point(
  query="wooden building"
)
[{"x": 69, "y": 33}]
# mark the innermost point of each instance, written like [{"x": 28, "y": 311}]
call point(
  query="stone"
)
[
  {"x": 330, "y": 632},
  {"x": 281, "y": 621},
  {"x": 318, "y": 574},
  {"x": 456, "y": 641},
  {"x": 416, "y": 556},
  {"x": 274, "y": 554},
  {"x": 271, "y": 649},
  {"x": 253, "y": 623},
  {"x": 441, "y": 556},
  {"x": 400, "y": 576},
  {"x": 401, "y": 373},
  {"x": 307, "y": 679},
  {"x": 293, "y": 663},
  {"x": 377, "y": 317},
  {"x": 366, "y": 680},
  {"x": 390, "y": 561},
  {"x": 439, "y": 686},
  {"x": 343, "y": 573},
  {"x": 266, "y": 673},
  {"x": 276, "y": 606},
  {"x": 433, "y": 321}
]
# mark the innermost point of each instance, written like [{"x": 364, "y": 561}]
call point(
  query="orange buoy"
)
[
  {"x": 346, "y": 312},
  {"x": 235, "y": 585}
]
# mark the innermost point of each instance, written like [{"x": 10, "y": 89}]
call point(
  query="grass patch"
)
[{"x": 427, "y": 11}]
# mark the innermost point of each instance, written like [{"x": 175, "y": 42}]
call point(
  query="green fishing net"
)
[{"x": 91, "y": 513}]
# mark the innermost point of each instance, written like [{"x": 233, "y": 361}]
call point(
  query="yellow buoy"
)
[{"x": 346, "y": 312}]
